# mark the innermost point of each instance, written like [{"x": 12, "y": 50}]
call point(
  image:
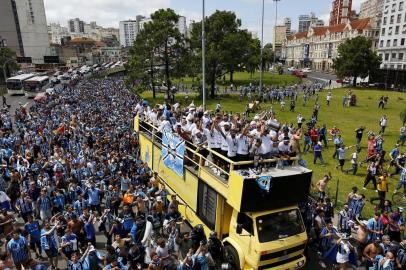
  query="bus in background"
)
[
  {"x": 15, "y": 85},
  {"x": 35, "y": 85}
]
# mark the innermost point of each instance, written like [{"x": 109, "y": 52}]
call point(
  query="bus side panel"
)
[
  {"x": 186, "y": 187},
  {"x": 235, "y": 184},
  {"x": 227, "y": 213},
  {"x": 146, "y": 149}
]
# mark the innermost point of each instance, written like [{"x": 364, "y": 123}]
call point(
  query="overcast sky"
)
[{"x": 110, "y": 12}]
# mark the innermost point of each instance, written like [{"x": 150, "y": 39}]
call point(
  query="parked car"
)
[
  {"x": 292, "y": 69},
  {"x": 299, "y": 74},
  {"x": 306, "y": 70}
]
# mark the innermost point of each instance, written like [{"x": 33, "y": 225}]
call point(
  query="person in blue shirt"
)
[
  {"x": 17, "y": 247},
  {"x": 69, "y": 243},
  {"x": 115, "y": 265},
  {"x": 74, "y": 262},
  {"x": 49, "y": 244},
  {"x": 375, "y": 227},
  {"x": 89, "y": 229},
  {"x": 94, "y": 198},
  {"x": 33, "y": 229}
]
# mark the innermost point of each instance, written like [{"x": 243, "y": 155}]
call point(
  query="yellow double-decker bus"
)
[{"x": 255, "y": 213}]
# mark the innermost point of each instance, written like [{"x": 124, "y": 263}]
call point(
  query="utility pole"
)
[
  {"x": 262, "y": 47},
  {"x": 203, "y": 57}
]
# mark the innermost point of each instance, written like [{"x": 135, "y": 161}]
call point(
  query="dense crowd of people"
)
[{"x": 71, "y": 171}]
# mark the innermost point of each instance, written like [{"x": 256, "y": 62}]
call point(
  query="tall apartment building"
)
[
  {"x": 182, "y": 25},
  {"x": 304, "y": 23},
  {"x": 288, "y": 24},
  {"x": 278, "y": 38},
  {"x": 392, "y": 40},
  {"x": 76, "y": 26},
  {"x": 23, "y": 26},
  {"x": 341, "y": 12},
  {"x": 128, "y": 31}
]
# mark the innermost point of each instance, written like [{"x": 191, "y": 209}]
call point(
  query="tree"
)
[
  {"x": 5, "y": 55},
  {"x": 267, "y": 56},
  {"x": 158, "y": 47},
  {"x": 227, "y": 46},
  {"x": 356, "y": 59}
]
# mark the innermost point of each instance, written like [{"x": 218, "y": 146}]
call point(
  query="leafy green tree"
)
[
  {"x": 227, "y": 46},
  {"x": 158, "y": 51},
  {"x": 267, "y": 56},
  {"x": 356, "y": 59},
  {"x": 5, "y": 55},
  {"x": 252, "y": 59}
]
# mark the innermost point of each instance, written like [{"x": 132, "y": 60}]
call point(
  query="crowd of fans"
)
[{"x": 71, "y": 170}]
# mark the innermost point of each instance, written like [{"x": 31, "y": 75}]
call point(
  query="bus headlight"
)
[{"x": 299, "y": 264}]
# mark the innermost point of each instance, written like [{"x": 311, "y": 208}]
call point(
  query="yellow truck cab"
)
[{"x": 254, "y": 211}]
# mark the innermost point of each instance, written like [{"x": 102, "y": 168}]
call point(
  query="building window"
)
[
  {"x": 393, "y": 56},
  {"x": 392, "y": 19},
  {"x": 400, "y": 6},
  {"x": 381, "y": 43},
  {"x": 402, "y": 42},
  {"x": 395, "y": 42},
  {"x": 401, "y": 56},
  {"x": 404, "y": 29},
  {"x": 388, "y": 43},
  {"x": 399, "y": 18},
  {"x": 385, "y": 20},
  {"x": 397, "y": 30},
  {"x": 393, "y": 7},
  {"x": 386, "y": 56},
  {"x": 390, "y": 31}
]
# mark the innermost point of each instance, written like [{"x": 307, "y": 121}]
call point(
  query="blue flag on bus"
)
[{"x": 173, "y": 150}]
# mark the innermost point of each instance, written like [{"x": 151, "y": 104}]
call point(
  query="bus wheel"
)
[{"x": 232, "y": 258}]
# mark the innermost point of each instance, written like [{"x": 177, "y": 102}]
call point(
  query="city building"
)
[
  {"x": 288, "y": 24},
  {"x": 128, "y": 31},
  {"x": 23, "y": 26},
  {"x": 319, "y": 46},
  {"x": 56, "y": 33},
  {"x": 182, "y": 25},
  {"x": 278, "y": 37},
  {"x": 392, "y": 40},
  {"x": 304, "y": 23},
  {"x": 76, "y": 26},
  {"x": 341, "y": 12},
  {"x": 372, "y": 9}
]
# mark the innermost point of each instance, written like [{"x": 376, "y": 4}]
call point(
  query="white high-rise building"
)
[
  {"x": 128, "y": 32},
  {"x": 76, "y": 26},
  {"x": 392, "y": 39},
  {"x": 57, "y": 32},
  {"x": 182, "y": 25},
  {"x": 288, "y": 23}
]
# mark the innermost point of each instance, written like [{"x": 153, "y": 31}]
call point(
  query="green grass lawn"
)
[
  {"x": 245, "y": 78},
  {"x": 366, "y": 113}
]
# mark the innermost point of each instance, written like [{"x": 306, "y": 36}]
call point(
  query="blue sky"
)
[{"x": 110, "y": 12}]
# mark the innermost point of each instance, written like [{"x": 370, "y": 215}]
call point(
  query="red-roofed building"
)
[{"x": 318, "y": 47}]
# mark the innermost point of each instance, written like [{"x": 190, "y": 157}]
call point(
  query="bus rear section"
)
[
  {"x": 35, "y": 85},
  {"x": 15, "y": 85}
]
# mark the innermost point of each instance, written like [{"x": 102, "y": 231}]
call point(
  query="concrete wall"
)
[{"x": 8, "y": 28}]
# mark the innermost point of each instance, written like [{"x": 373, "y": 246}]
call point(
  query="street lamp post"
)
[
  {"x": 262, "y": 47},
  {"x": 276, "y": 22},
  {"x": 203, "y": 57}
]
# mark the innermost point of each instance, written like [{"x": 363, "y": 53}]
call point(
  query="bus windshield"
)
[
  {"x": 14, "y": 85},
  {"x": 279, "y": 225}
]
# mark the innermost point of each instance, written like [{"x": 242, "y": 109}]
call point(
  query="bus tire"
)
[{"x": 232, "y": 258}]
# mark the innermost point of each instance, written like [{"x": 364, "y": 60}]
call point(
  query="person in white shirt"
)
[
  {"x": 243, "y": 145},
  {"x": 300, "y": 120},
  {"x": 383, "y": 123},
  {"x": 165, "y": 125}
]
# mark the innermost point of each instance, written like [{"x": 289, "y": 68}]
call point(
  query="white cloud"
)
[{"x": 104, "y": 12}]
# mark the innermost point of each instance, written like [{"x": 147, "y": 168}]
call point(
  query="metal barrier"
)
[{"x": 195, "y": 159}]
